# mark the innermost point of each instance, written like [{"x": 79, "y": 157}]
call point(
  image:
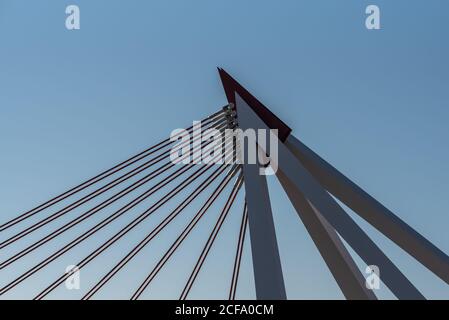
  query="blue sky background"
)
[{"x": 373, "y": 103}]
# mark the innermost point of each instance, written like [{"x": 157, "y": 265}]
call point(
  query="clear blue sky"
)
[{"x": 373, "y": 103}]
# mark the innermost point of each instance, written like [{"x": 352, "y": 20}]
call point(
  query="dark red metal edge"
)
[{"x": 231, "y": 86}]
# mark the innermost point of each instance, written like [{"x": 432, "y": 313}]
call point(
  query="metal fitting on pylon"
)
[{"x": 231, "y": 115}]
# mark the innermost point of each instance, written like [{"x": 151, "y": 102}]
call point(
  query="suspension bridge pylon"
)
[
  {"x": 148, "y": 192},
  {"x": 311, "y": 184}
]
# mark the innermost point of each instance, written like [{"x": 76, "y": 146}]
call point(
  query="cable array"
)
[{"x": 152, "y": 169}]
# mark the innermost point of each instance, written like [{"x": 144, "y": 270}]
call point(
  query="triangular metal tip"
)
[{"x": 231, "y": 87}]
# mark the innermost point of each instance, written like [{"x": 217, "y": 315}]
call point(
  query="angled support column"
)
[
  {"x": 334, "y": 253},
  {"x": 371, "y": 210},
  {"x": 266, "y": 261},
  {"x": 332, "y": 212}
]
